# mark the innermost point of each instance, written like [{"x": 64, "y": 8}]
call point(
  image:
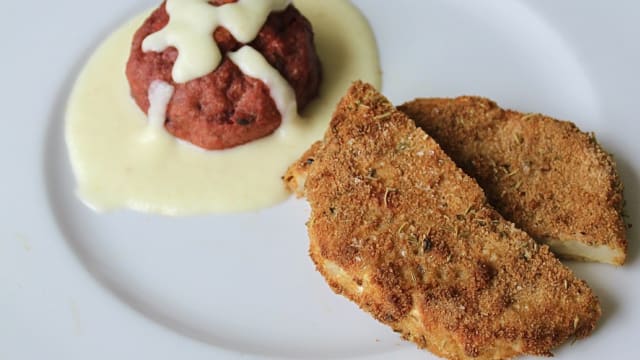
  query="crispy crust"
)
[
  {"x": 549, "y": 178},
  {"x": 399, "y": 229},
  {"x": 296, "y": 175}
]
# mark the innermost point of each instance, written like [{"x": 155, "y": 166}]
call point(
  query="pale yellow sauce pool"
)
[{"x": 119, "y": 165}]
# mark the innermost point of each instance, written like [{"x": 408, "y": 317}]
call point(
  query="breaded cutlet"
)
[
  {"x": 399, "y": 229},
  {"x": 549, "y": 178}
]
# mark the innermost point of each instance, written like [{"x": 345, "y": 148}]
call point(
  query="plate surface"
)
[{"x": 78, "y": 285}]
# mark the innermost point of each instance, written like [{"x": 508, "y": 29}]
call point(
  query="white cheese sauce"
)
[
  {"x": 191, "y": 23},
  {"x": 123, "y": 160},
  {"x": 253, "y": 64},
  {"x": 159, "y": 97}
]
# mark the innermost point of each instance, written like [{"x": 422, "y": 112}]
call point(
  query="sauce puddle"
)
[{"x": 121, "y": 162}]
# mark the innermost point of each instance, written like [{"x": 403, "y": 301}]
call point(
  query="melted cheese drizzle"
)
[
  {"x": 253, "y": 64},
  {"x": 159, "y": 96},
  {"x": 191, "y": 23},
  {"x": 122, "y": 160}
]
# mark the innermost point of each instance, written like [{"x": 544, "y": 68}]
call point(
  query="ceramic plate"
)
[{"x": 79, "y": 285}]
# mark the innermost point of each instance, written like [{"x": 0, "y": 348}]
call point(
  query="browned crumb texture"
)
[
  {"x": 399, "y": 229},
  {"x": 552, "y": 180},
  {"x": 296, "y": 175}
]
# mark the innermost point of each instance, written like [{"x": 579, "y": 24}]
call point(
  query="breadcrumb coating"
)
[
  {"x": 399, "y": 229},
  {"x": 552, "y": 180}
]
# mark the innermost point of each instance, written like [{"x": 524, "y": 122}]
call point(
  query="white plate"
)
[{"x": 77, "y": 285}]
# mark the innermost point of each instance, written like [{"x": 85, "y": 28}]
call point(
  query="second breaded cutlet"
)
[
  {"x": 399, "y": 229},
  {"x": 552, "y": 180}
]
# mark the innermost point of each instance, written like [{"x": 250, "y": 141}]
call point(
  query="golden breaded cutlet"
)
[
  {"x": 399, "y": 229},
  {"x": 552, "y": 180}
]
